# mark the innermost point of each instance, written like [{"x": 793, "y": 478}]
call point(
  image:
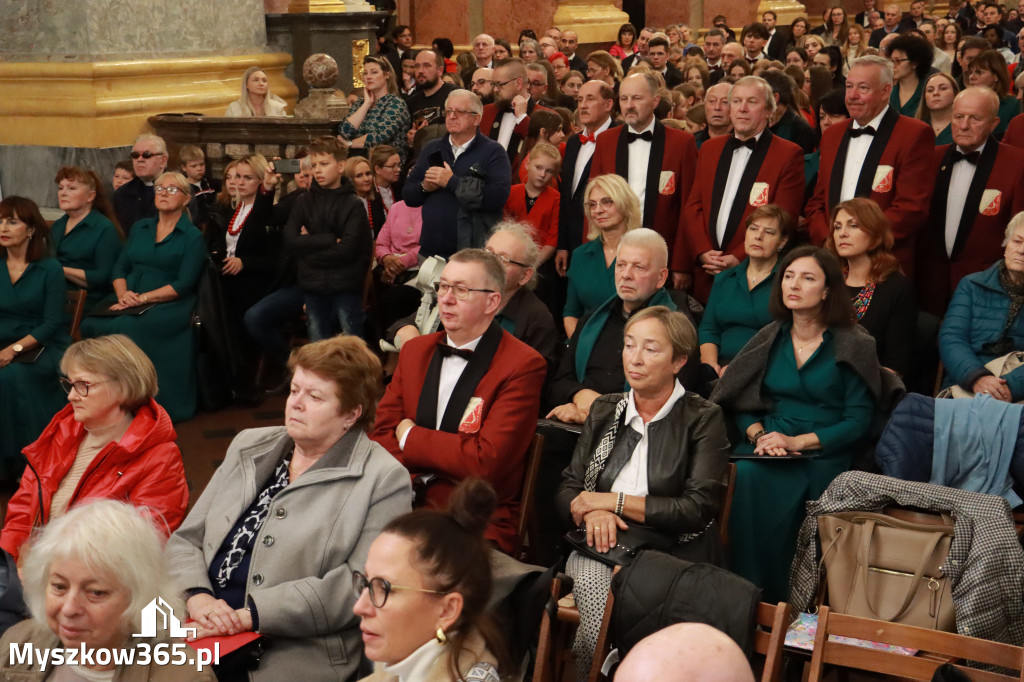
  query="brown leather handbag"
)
[{"x": 888, "y": 566}]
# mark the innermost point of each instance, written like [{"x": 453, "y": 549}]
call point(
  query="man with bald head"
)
[
  {"x": 507, "y": 119},
  {"x": 730, "y": 53},
  {"x": 568, "y": 42},
  {"x": 876, "y": 153},
  {"x": 656, "y": 161},
  {"x": 685, "y": 652},
  {"x": 483, "y": 53},
  {"x": 431, "y": 90},
  {"x": 978, "y": 188},
  {"x": 481, "y": 85},
  {"x": 716, "y": 110}
]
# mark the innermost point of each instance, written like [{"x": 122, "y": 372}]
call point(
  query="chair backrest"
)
[
  {"x": 526, "y": 529},
  {"x": 74, "y": 305},
  {"x": 725, "y": 505},
  {"x": 934, "y": 648},
  {"x": 772, "y": 621}
]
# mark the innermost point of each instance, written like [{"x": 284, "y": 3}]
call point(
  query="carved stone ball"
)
[{"x": 320, "y": 70}]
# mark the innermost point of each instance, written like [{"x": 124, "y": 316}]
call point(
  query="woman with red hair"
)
[{"x": 883, "y": 298}]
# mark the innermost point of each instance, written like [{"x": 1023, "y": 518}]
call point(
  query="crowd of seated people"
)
[{"x": 674, "y": 250}]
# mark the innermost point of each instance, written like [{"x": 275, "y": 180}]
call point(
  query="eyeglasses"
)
[
  {"x": 461, "y": 293},
  {"x": 499, "y": 84},
  {"x": 538, "y": 84},
  {"x": 380, "y": 588},
  {"x": 606, "y": 202},
  {"x": 81, "y": 387},
  {"x": 458, "y": 112},
  {"x": 505, "y": 260},
  {"x": 172, "y": 190},
  {"x": 896, "y": 61},
  {"x": 145, "y": 155},
  {"x": 392, "y": 166}
]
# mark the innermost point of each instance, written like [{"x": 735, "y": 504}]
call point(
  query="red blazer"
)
[
  {"x": 774, "y": 175},
  {"x": 493, "y": 433},
  {"x": 1014, "y": 134},
  {"x": 995, "y": 196},
  {"x": 543, "y": 216},
  {"x": 668, "y": 182},
  {"x": 897, "y": 174},
  {"x": 490, "y": 125}
]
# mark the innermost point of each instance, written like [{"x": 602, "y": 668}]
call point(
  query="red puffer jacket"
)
[{"x": 144, "y": 469}]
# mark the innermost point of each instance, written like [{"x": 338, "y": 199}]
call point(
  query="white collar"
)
[
  {"x": 631, "y": 412},
  {"x": 416, "y": 666},
  {"x": 979, "y": 149},
  {"x": 875, "y": 122},
  {"x": 471, "y": 345},
  {"x": 654, "y": 119},
  {"x": 604, "y": 126}
]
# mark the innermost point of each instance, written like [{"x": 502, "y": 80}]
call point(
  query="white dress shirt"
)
[
  {"x": 231, "y": 240},
  {"x": 417, "y": 665},
  {"x": 632, "y": 479},
  {"x": 740, "y": 159},
  {"x": 457, "y": 149},
  {"x": 586, "y": 153},
  {"x": 639, "y": 159},
  {"x": 956, "y": 198},
  {"x": 509, "y": 121},
  {"x": 856, "y": 152}
]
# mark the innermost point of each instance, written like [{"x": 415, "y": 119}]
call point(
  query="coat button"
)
[
  {"x": 268, "y": 540},
  {"x": 257, "y": 579},
  {"x": 280, "y": 513}
]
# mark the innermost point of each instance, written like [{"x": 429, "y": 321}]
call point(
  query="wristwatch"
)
[{"x": 17, "y": 348}]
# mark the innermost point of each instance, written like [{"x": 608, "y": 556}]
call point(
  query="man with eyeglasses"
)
[
  {"x": 464, "y": 401},
  {"x": 461, "y": 180},
  {"x": 481, "y": 85},
  {"x": 133, "y": 201},
  {"x": 507, "y": 119},
  {"x": 431, "y": 90}
]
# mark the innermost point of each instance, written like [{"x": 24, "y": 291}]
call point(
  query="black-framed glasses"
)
[
  {"x": 461, "y": 293},
  {"x": 381, "y": 589},
  {"x": 505, "y": 260},
  {"x": 145, "y": 155},
  {"x": 499, "y": 84},
  {"x": 81, "y": 387}
]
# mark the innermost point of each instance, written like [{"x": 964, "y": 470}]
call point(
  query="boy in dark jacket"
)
[{"x": 328, "y": 232}]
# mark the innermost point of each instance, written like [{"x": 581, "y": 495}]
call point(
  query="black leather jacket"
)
[{"x": 687, "y": 457}]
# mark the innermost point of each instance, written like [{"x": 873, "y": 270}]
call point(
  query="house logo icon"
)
[{"x": 159, "y": 609}]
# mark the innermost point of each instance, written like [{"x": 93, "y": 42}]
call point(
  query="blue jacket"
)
[{"x": 975, "y": 317}]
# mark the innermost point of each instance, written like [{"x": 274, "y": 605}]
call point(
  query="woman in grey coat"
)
[{"x": 271, "y": 544}]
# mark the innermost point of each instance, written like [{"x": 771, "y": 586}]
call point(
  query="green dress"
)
[
  {"x": 29, "y": 392},
  {"x": 820, "y": 397},
  {"x": 164, "y": 332},
  {"x": 735, "y": 312},
  {"x": 93, "y": 246},
  {"x": 1009, "y": 106},
  {"x": 591, "y": 282},
  {"x": 945, "y": 136},
  {"x": 910, "y": 108}
]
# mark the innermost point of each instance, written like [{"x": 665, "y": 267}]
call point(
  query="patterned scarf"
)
[
  {"x": 1016, "y": 293},
  {"x": 604, "y": 448}
]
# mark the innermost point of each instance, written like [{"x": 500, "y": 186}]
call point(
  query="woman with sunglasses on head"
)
[
  {"x": 160, "y": 267},
  {"x": 32, "y": 290},
  {"x": 380, "y": 115},
  {"x": 112, "y": 440},
  {"x": 422, "y": 597}
]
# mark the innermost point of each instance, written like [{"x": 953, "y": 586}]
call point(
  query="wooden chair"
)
[
  {"x": 526, "y": 529},
  {"x": 725, "y": 506},
  {"x": 770, "y": 635},
  {"x": 935, "y": 648},
  {"x": 74, "y": 305}
]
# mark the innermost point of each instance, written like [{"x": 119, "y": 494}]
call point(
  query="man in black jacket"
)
[{"x": 133, "y": 201}]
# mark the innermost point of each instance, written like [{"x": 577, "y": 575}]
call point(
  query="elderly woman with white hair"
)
[
  {"x": 983, "y": 322},
  {"x": 87, "y": 579},
  {"x": 256, "y": 101}
]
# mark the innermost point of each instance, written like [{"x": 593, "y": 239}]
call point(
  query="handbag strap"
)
[{"x": 863, "y": 556}]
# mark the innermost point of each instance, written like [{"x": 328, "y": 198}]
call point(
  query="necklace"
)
[
  {"x": 755, "y": 277},
  {"x": 812, "y": 343}
]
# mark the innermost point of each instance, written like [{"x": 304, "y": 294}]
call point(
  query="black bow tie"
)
[
  {"x": 447, "y": 351},
  {"x": 970, "y": 157},
  {"x": 866, "y": 130},
  {"x": 750, "y": 143},
  {"x": 646, "y": 136}
]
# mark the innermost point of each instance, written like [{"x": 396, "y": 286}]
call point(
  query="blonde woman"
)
[
  {"x": 380, "y": 115},
  {"x": 256, "y": 101}
]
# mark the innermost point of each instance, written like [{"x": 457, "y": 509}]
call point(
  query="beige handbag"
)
[
  {"x": 1000, "y": 366},
  {"x": 888, "y": 566}
]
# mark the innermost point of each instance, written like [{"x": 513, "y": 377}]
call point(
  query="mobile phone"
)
[
  {"x": 290, "y": 166},
  {"x": 436, "y": 160}
]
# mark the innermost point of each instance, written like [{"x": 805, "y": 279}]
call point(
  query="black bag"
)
[{"x": 628, "y": 543}]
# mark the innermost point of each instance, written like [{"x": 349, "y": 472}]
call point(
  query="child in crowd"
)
[
  {"x": 536, "y": 201},
  {"x": 123, "y": 174},
  {"x": 696, "y": 119},
  {"x": 204, "y": 193}
]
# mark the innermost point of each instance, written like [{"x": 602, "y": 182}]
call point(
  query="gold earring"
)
[{"x": 440, "y": 636}]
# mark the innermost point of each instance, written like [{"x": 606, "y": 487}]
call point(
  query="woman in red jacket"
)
[{"x": 112, "y": 441}]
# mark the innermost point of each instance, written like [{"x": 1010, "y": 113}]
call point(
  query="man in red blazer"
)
[
  {"x": 876, "y": 154},
  {"x": 1014, "y": 135},
  {"x": 507, "y": 119},
  {"x": 464, "y": 402},
  {"x": 978, "y": 188},
  {"x": 736, "y": 174},
  {"x": 656, "y": 161}
]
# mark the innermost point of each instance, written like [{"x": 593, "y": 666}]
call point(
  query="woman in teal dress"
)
[
  {"x": 86, "y": 238},
  {"x": 988, "y": 70},
  {"x": 911, "y": 61},
  {"x": 807, "y": 384},
  {"x": 936, "y": 109},
  {"x": 32, "y": 294},
  {"x": 738, "y": 306},
  {"x": 380, "y": 116},
  {"x": 613, "y": 209},
  {"x": 161, "y": 263}
]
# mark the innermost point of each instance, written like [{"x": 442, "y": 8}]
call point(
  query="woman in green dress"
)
[
  {"x": 738, "y": 306},
  {"x": 86, "y": 239},
  {"x": 161, "y": 263},
  {"x": 911, "y": 59},
  {"x": 940, "y": 89},
  {"x": 32, "y": 294},
  {"x": 612, "y": 209},
  {"x": 807, "y": 384}
]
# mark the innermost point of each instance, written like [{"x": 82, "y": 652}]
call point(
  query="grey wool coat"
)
[{"x": 318, "y": 530}]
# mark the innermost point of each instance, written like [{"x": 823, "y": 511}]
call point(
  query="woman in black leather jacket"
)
[{"x": 656, "y": 455}]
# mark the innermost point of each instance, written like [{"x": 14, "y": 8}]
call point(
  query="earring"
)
[{"x": 440, "y": 637}]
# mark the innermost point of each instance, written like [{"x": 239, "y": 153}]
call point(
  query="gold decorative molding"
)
[
  {"x": 328, "y": 6},
  {"x": 595, "y": 21},
  {"x": 786, "y": 11},
  {"x": 360, "y": 51},
  {"x": 106, "y": 104}
]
